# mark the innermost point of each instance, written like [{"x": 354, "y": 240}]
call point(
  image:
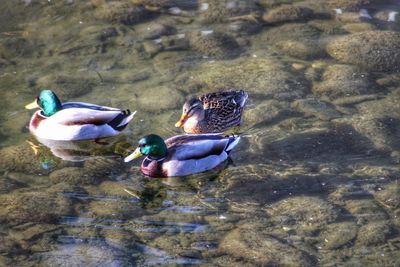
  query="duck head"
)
[
  {"x": 192, "y": 108},
  {"x": 47, "y": 101},
  {"x": 152, "y": 146}
]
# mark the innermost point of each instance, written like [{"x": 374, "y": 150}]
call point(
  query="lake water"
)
[{"x": 314, "y": 180}]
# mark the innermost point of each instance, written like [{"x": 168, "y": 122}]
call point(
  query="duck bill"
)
[
  {"x": 182, "y": 120},
  {"x": 32, "y": 105},
  {"x": 134, "y": 155}
]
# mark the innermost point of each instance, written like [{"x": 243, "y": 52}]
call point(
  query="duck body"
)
[
  {"x": 187, "y": 154},
  {"x": 213, "y": 113},
  {"x": 79, "y": 121}
]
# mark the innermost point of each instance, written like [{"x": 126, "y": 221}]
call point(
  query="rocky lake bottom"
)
[{"x": 314, "y": 180}]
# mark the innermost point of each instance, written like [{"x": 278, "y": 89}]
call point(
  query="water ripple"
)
[{"x": 138, "y": 225}]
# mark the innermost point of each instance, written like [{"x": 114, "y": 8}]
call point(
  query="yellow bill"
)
[
  {"x": 32, "y": 105},
  {"x": 182, "y": 120},
  {"x": 134, "y": 155}
]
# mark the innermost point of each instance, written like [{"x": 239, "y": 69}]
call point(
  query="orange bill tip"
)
[{"x": 182, "y": 120}]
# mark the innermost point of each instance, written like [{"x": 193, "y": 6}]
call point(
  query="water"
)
[{"x": 313, "y": 182}]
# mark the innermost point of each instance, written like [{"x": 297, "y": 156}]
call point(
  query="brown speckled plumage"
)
[{"x": 217, "y": 113}]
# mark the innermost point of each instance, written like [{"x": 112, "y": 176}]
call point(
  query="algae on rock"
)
[
  {"x": 269, "y": 78},
  {"x": 374, "y": 50}
]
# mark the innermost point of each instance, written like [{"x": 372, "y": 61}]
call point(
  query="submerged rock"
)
[
  {"x": 93, "y": 39},
  {"x": 173, "y": 7},
  {"x": 214, "y": 44},
  {"x": 330, "y": 27},
  {"x": 339, "y": 234},
  {"x": 259, "y": 185},
  {"x": 120, "y": 11},
  {"x": 390, "y": 81},
  {"x": 153, "y": 30},
  {"x": 358, "y": 27},
  {"x": 340, "y": 141},
  {"x": 66, "y": 86},
  {"x": 274, "y": 3},
  {"x": 290, "y": 31},
  {"x": 14, "y": 47},
  {"x": 266, "y": 112},
  {"x": 344, "y": 81},
  {"x": 211, "y": 11},
  {"x": 33, "y": 207},
  {"x": 314, "y": 73},
  {"x": 115, "y": 208},
  {"x": 382, "y": 131},
  {"x": 73, "y": 175},
  {"x": 171, "y": 63},
  {"x": 314, "y": 107},
  {"x": 94, "y": 171},
  {"x": 88, "y": 251},
  {"x": 8, "y": 246},
  {"x": 350, "y": 4},
  {"x": 380, "y": 124},
  {"x": 365, "y": 210},
  {"x": 287, "y": 13},
  {"x": 240, "y": 27},
  {"x": 157, "y": 98},
  {"x": 303, "y": 210},
  {"x": 374, "y": 50},
  {"x": 383, "y": 107},
  {"x": 269, "y": 78},
  {"x": 262, "y": 249},
  {"x": 301, "y": 49},
  {"x": 389, "y": 196},
  {"x": 295, "y": 39},
  {"x": 22, "y": 158},
  {"x": 387, "y": 19},
  {"x": 176, "y": 42},
  {"x": 8, "y": 184},
  {"x": 373, "y": 234},
  {"x": 37, "y": 237},
  {"x": 115, "y": 188}
]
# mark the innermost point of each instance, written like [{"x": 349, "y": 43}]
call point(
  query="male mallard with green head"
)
[
  {"x": 183, "y": 154},
  {"x": 74, "y": 120},
  {"x": 213, "y": 112}
]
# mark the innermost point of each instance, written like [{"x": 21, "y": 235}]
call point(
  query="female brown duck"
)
[{"x": 213, "y": 112}]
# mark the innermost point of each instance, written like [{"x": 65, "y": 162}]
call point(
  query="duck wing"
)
[
  {"x": 198, "y": 146},
  {"x": 224, "y": 109},
  {"x": 78, "y": 113},
  {"x": 224, "y": 99}
]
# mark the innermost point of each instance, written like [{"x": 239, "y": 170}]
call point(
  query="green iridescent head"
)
[
  {"x": 152, "y": 146},
  {"x": 47, "y": 101}
]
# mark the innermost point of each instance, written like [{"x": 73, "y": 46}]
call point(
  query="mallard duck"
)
[
  {"x": 213, "y": 112},
  {"x": 74, "y": 120},
  {"x": 183, "y": 154}
]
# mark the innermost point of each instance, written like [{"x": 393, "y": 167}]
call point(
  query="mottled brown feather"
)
[{"x": 223, "y": 110}]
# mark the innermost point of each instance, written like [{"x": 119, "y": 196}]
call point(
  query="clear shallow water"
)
[{"x": 314, "y": 181}]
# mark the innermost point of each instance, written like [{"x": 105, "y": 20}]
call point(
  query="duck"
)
[
  {"x": 214, "y": 112},
  {"x": 72, "y": 121},
  {"x": 182, "y": 155}
]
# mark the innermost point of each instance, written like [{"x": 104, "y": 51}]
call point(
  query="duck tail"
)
[
  {"x": 241, "y": 98},
  {"x": 122, "y": 120},
  {"x": 233, "y": 141}
]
